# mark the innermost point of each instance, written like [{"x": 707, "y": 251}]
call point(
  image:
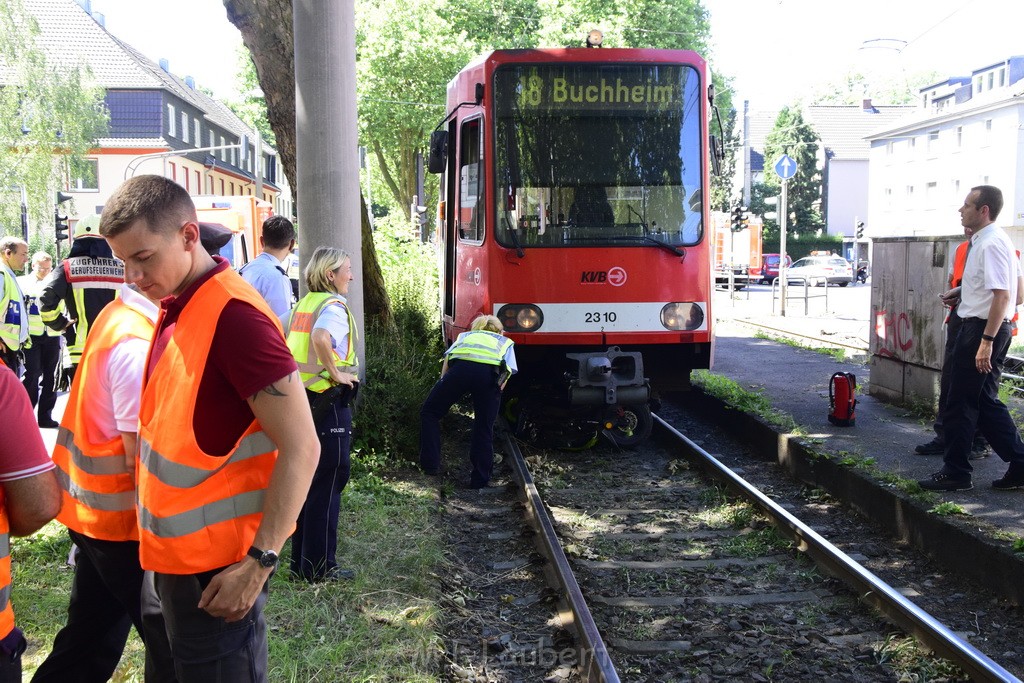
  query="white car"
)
[{"x": 819, "y": 270}]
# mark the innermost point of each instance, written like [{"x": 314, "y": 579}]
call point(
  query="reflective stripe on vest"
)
[
  {"x": 197, "y": 512},
  {"x": 98, "y": 488},
  {"x": 6, "y": 611},
  {"x": 300, "y": 329},
  {"x": 84, "y": 273},
  {"x": 480, "y": 346}
]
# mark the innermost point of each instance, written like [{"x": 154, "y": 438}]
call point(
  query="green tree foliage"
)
[
  {"x": 250, "y": 106},
  {"x": 795, "y": 137},
  {"x": 881, "y": 87},
  {"x": 51, "y": 114}
]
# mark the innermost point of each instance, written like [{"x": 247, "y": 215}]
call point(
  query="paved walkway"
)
[{"x": 796, "y": 382}]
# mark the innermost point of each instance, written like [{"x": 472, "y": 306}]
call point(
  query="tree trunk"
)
[{"x": 266, "y": 27}]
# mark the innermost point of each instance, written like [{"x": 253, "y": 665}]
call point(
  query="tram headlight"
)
[
  {"x": 520, "y": 317},
  {"x": 682, "y": 316}
]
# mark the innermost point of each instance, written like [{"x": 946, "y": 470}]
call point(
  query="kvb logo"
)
[{"x": 615, "y": 276}]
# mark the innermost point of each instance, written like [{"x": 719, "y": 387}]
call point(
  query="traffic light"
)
[
  {"x": 860, "y": 230},
  {"x": 60, "y": 224},
  {"x": 738, "y": 218}
]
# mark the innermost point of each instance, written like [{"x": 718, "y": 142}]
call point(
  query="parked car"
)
[
  {"x": 819, "y": 270},
  {"x": 770, "y": 267}
]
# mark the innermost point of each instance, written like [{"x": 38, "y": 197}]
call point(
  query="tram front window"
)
[{"x": 597, "y": 154}]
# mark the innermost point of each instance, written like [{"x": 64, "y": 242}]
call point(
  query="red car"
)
[{"x": 770, "y": 267}]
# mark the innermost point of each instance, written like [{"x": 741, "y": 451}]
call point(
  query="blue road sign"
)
[{"x": 785, "y": 167}]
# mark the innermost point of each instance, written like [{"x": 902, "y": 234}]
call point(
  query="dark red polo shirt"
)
[{"x": 248, "y": 354}]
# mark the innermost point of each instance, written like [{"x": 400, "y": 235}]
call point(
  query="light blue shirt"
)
[
  {"x": 334, "y": 319},
  {"x": 267, "y": 276}
]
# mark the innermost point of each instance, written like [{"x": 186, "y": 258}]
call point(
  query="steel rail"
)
[
  {"x": 869, "y": 587},
  {"x": 830, "y": 342},
  {"x": 595, "y": 664}
]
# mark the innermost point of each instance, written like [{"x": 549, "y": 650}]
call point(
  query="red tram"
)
[{"x": 574, "y": 206}]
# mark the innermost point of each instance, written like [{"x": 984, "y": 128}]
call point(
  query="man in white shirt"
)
[
  {"x": 989, "y": 295},
  {"x": 266, "y": 273}
]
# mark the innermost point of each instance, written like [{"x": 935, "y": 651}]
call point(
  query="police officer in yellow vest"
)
[
  {"x": 86, "y": 281},
  {"x": 321, "y": 334},
  {"x": 479, "y": 362},
  {"x": 14, "y": 337}
]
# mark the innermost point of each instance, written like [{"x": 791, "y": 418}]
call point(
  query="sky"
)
[
  {"x": 194, "y": 35},
  {"x": 775, "y": 50},
  {"x": 778, "y": 50}
]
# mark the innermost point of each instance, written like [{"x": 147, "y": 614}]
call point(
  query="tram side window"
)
[{"x": 471, "y": 182}]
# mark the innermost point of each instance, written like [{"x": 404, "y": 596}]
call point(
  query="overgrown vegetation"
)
[
  {"x": 402, "y": 362},
  {"x": 754, "y": 402}
]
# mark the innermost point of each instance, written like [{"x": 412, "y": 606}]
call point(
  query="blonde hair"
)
[
  {"x": 488, "y": 323},
  {"x": 324, "y": 259}
]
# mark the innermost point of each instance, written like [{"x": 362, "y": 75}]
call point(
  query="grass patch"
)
[
  {"x": 380, "y": 626},
  {"x": 947, "y": 509},
  {"x": 837, "y": 354},
  {"x": 753, "y": 402}
]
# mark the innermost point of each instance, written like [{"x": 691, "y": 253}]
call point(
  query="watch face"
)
[{"x": 268, "y": 558}]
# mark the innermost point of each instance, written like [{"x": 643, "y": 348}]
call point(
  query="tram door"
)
[{"x": 450, "y": 241}]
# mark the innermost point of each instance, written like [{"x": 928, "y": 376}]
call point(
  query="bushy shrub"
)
[{"x": 403, "y": 361}]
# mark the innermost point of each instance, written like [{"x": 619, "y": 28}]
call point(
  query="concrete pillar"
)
[{"x": 326, "y": 137}]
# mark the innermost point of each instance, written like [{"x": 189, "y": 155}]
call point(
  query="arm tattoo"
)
[{"x": 272, "y": 390}]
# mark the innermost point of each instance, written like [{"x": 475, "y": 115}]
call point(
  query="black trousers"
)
[
  {"x": 106, "y": 595},
  {"x": 315, "y": 541},
  {"x": 41, "y": 373},
  {"x": 463, "y": 377},
  {"x": 973, "y": 403},
  {"x": 202, "y": 647}
]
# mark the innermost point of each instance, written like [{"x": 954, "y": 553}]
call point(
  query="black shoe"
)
[
  {"x": 934, "y": 447},
  {"x": 979, "y": 450},
  {"x": 48, "y": 423},
  {"x": 339, "y": 574},
  {"x": 1009, "y": 482},
  {"x": 940, "y": 481}
]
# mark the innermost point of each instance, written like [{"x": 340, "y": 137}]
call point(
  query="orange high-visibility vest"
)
[
  {"x": 6, "y": 611},
  {"x": 98, "y": 490},
  {"x": 197, "y": 512}
]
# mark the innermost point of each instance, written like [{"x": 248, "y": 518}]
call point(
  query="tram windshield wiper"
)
[{"x": 647, "y": 238}]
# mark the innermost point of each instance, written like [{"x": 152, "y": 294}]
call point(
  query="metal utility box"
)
[
  {"x": 907, "y": 331},
  {"x": 907, "y": 334}
]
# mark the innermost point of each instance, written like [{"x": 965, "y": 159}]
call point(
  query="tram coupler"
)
[{"x": 608, "y": 378}]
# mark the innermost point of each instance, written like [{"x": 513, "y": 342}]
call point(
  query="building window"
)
[
  {"x": 910, "y": 195},
  {"x": 84, "y": 175},
  {"x": 234, "y": 157},
  {"x": 1002, "y": 77},
  {"x": 977, "y": 85},
  {"x": 933, "y": 142},
  {"x": 172, "y": 123},
  {"x": 199, "y": 183},
  {"x": 185, "y": 177},
  {"x": 223, "y": 152},
  {"x": 991, "y": 80},
  {"x": 931, "y": 191},
  {"x": 213, "y": 143},
  {"x": 888, "y": 148},
  {"x": 988, "y": 132},
  {"x": 174, "y": 171},
  {"x": 184, "y": 127},
  {"x": 959, "y": 136},
  {"x": 888, "y": 197},
  {"x": 198, "y": 128},
  {"x": 222, "y": 186},
  {"x": 209, "y": 184}
]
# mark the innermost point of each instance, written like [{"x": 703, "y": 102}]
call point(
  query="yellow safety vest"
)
[{"x": 300, "y": 327}]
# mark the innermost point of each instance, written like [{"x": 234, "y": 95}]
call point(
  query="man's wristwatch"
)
[
  {"x": 988, "y": 337},
  {"x": 266, "y": 558}
]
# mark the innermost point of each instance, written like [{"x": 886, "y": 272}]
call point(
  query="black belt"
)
[{"x": 1006, "y": 321}]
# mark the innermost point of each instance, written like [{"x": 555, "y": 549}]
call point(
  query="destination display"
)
[{"x": 649, "y": 89}]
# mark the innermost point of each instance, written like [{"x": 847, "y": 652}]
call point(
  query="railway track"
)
[{"x": 663, "y": 577}]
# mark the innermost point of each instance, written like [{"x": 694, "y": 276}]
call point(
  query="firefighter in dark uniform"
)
[
  {"x": 479, "y": 362},
  {"x": 86, "y": 281}
]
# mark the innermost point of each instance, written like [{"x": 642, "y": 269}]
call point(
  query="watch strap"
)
[
  {"x": 259, "y": 555},
  {"x": 988, "y": 337}
]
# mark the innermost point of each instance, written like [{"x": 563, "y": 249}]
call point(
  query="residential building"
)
[
  {"x": 159, "y": 122},
  {"x": 842, "y": 155},
  {"x": 968, "y": 131}
]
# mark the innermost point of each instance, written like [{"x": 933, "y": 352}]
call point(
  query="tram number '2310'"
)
[{"x": 599, "y": 317}]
